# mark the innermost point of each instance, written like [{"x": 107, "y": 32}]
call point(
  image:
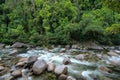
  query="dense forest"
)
[{"x": 43, "y": 22}]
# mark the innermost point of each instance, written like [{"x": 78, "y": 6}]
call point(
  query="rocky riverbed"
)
[{"x": 60, "y": 63}]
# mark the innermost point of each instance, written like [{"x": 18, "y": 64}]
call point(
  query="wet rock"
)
[
  {"x": 115, "y": 61},
  {"x": 20, "y": 64},
  {"x": 93, "y": 46},
  {"x": 23, "y": 59},
  {"x": 99, "y": 56},
  {"x": 61, "y": 69},
  {"x": 62, "y": 77},
  {"x": 104, "y": 69},
  {"x": 80, "y": 57},
  {"x": 39, "y": 66},
  {"x": 32, "y": 59},
  {"x": 1, "y": 68},
  {"x": 7, "y": 46},
  {"x": 9, "y": 78},
  {"x": 75, "y": 46},
  {"x": 4, "y": 71},
  {"x": 51, "y": 67},
  {"x": 14, "y": 52},
  {"x": 111, "y": 53},
  {"x": 70, "y": 78},
  {"x": 67, "y": 46},
  {"x": 62, "y": 50},
  {"x": 20, "y": 45},
  {"x": 2, "y": 45},
  {"x": 17, "y": 73},
  {"x": 66, "y": 61},
  {"x": 117, "y": 51},
  {"x": 55, "y": 50},
  {"x": 105, "y": 56}
]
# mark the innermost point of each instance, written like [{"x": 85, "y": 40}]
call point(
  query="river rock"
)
[
  {"x": 66, "y": 61},
  {"x": 62, "y": 77},
  {"x": 62, "y": 50},
  {"x": 20, "y": 64},
  {"x": 39, "y": 66},
  {"x": 2, "y": 45},
  {"x": 104, "y": 69},
  {"x": 70, "y": 78},
  {"x": 115, "y": 62},
  {"x": 4, "y": 71},
  {"x": 19, "y": 45},
  {"x": 14, "y": 52},
  {"x": 75, "y": 46},
  {"x": 1, "y": 68},
  {"x": 7, "y": 46},
  {"x": 93, "y": 46},
  {"x": 51, "y": 67},
  {"x": 23, "y": 59},
  {"x": 80, "y": 56},
  {"x": 117, "y": 51},
  {"x": 17, "y": 73},
  {"x": 32, "y": 59},
  {"x": 61, "y": 69},
  {"x": 111, "y": 53}
]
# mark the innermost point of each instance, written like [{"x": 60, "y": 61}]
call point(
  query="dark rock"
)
[
  {"x": 61, "y": 69},
  {"x": 32, "y": 59},
  {"x": 51, "y": 67},
  {"x": 66, "y": 61},
  {"x": 17, "y": 73},
  {"x": 70, "y": 78},
  {"x": 39, "y": 66},
  {"x": 62, "y": 77}
]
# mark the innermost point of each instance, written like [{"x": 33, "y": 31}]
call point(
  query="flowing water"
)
[{"x": 87, "y": 68}]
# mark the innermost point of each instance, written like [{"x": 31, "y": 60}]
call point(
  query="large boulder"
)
[
  {"x": 39, "y": 66},
  {"x": 19, "y": 45},
  {"x": 17, "y": 73},
  {"x": 51, "y": 67},
  {"x": 61, "y": 69}
]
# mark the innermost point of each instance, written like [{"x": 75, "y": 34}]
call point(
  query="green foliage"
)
[{"x": 42, "y": 22}]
